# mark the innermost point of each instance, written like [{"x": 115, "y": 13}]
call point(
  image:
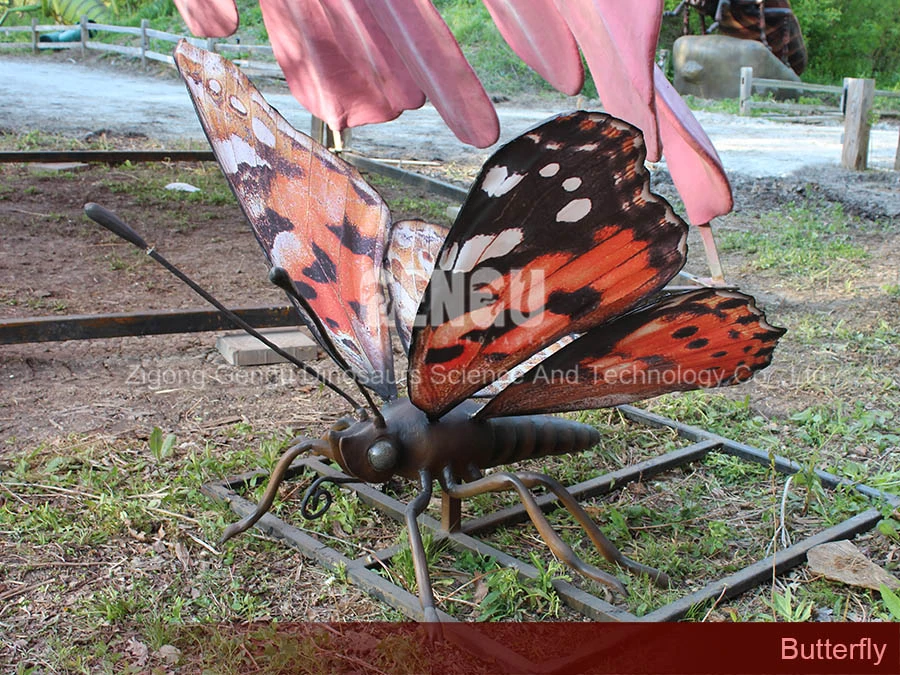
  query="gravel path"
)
[{"x": 51, "y": 93}]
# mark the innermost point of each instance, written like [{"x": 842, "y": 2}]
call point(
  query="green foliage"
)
[
  {"x": 510, "y": 595},
  {"x": 788, "y": 608},
  {"x": 851, "y": 38},
  {"x": 498, "y": 67},
  {"x": 153, "y": 10},
  {"x": 891, "y": 602}
]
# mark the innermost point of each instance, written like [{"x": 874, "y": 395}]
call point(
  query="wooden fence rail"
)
[
  {"x": 141, "y": 50},
  {"x": 749, "y": 83}
]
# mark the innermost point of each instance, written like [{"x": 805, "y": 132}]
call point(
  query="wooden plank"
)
[
  {"x": 118, "y": 49},
  {"x": 159, "y": 322},
  {"x": 855, "y": 153},
  {"x": 225, "y": 47},
  {"x": 746, "y": 89},
  {"x": 162, "y": 35},
  {"x": 158, "y": 56},
  {"x": 109, "y": 28},
  {"x": 767, "y": 83}
]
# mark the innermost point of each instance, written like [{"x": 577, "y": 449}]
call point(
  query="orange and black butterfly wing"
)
[
  {"x": 560, "y": 232},
  {"x": 412, "y": 248},
  {"x": 695, "y": 340},
  {"x": 312, "y": 213}
]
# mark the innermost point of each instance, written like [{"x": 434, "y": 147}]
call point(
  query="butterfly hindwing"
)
[
  {"x": 412, "y": 248},
  {"x": 312, "y": 213},
  {"x": 559, "y": 233},
  {"x": 695, "y": 340}
]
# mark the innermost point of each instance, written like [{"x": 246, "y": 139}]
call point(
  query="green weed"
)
[
  {"x": 891, "y": 602},
  {"x": 160, "y": 446},
  {"x": 510, "y": 595},
  {"x": 786, "y": 607}
]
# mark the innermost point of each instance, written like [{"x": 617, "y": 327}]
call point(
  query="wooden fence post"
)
[
  {"x": 325, "y": 135},
  {"x": 855, "y": 154},
  {"x": 145, "y": 23},
  {"x": 84, "y": 36},
  {"x": 34, "y": 35},
  {"x": 897, "y": 158},
  {"x": 746, "y": 89},
  {"x": 843, "y": 103}
]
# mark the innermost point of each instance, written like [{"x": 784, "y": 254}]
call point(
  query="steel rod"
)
[
  {"x": 105, "y": 156},
  {"x": 157, "y": 322}
]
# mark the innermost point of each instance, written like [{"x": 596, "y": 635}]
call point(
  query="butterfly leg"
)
[
  {"x": 601, "y": 542},
  {"x": 507, "y": 481},
  {"x": 303, "y": 445},
  {"x": 420, "y": 561}
]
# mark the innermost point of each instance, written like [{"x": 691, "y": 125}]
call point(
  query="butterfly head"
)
[{"x": 364, "y": 450}]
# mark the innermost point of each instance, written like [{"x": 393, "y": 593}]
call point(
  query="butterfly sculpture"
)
[{"x": 545, "y": 295}]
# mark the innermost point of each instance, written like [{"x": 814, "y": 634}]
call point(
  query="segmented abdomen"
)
[{"x": 519, "y": 438}]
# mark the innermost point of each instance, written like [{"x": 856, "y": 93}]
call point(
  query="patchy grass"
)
[
  {"x": 804, "y": 242},
  {"x": 147, "y": 185}
]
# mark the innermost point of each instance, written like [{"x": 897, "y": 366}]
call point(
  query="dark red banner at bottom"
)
[{"x": 637, "y": 648}]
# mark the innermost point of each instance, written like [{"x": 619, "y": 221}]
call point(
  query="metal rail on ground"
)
[{"x": 362, "y": 571}]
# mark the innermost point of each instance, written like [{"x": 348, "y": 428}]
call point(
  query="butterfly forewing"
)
[
  {"x": 412, "y": 248},
  {"x": 312, "y": 213},
  {"x": 559, "y": 233},
  {"x": 696, "y": 340}
]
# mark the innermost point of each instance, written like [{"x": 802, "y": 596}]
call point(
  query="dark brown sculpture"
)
[{"x": 771, "y": 22}]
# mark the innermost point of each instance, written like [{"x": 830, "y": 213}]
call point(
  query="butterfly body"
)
[
  {"x": 545, "y": 295},
  {"x": 409, "y": 442}
]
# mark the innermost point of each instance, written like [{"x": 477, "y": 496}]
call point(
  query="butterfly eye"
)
[{"x": 382, "y": 455}]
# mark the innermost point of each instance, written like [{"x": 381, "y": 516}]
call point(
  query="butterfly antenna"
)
[
  {"x": 280, "y": 277},
  {"x": 117, "y": 226}
]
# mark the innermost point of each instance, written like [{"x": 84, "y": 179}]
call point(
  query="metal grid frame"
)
[{"x": 361, "y": 571}]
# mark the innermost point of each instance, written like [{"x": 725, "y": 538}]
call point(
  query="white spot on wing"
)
[
  {"x": 238, "y": 105},
  {"x": 550, "y": 170},
  {"x": 485, "y": 246},
  {"x": 571, "y": 184},
  {"x": 286, "y": 251},
  {"x": 243, "y": 153},
  {"x": 574, "y": 211},
  {"x": 214, "y": 86},
  {"x": 262, "y": 132},
  {"x": 587, "y": 147},
  {"x": 448, "y": 257},
  {"x": 498, "y": 181}
]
